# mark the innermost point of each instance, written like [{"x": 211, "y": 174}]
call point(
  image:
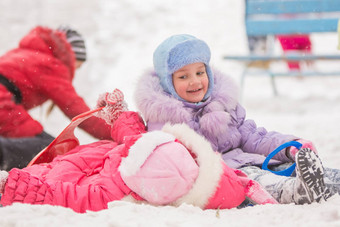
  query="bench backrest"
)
[{"x": 270, "y": 17}]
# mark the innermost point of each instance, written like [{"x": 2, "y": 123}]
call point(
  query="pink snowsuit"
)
[{"x": 168, "y": 167}]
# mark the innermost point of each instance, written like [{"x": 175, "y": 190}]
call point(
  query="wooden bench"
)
[{"x": 287, "y": 17}]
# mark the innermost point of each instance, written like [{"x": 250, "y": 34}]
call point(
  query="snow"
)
[{"x": 121, "y": 37}]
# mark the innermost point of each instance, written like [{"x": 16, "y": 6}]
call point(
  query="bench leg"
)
[
  {"x": 272, "y": 79},
  {"x": 243, "y": 77}
]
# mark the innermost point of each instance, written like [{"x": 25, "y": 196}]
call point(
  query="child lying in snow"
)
[{"x": 168, "y": 167}]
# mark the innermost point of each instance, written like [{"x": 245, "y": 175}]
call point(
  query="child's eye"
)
[
  {"x": 200, "y": 73},
  {"x": 182, "y": 77}
]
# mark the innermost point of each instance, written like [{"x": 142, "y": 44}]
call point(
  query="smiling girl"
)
[{"x": 184, "y": 89}]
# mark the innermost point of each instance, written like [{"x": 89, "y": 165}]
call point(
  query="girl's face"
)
[{"x": 191, "y": 82}]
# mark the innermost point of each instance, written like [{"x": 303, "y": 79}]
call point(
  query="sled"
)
[
  {"x": 64, "y": 142},
  {"x": 287, "y": 172}
]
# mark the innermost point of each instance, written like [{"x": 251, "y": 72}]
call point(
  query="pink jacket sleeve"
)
[{"x": 128, "y": 124}]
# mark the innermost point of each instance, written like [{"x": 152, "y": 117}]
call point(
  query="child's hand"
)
[
  {"x": 305, "y": 144},
  {"x": 110, "y": 98},
  {"x": 114, "y": 105}
]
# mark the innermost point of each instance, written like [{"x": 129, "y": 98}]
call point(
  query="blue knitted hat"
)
[{"x": 178, "y": 51}]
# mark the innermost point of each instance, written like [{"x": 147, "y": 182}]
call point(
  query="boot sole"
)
[{"x": 311, "y": 171}]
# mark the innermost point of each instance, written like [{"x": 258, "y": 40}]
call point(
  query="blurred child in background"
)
[{"x": 41, "y": 68}]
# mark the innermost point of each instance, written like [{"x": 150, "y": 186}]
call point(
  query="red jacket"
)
[{"x": 42, "y": 68}]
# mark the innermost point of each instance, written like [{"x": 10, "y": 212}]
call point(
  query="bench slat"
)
[
  {"x": 287, "y": 57},
  {"x": 291, "y": 6},
  {"x": 296, "y": 26},
  {"x": 302, "y": 73}
]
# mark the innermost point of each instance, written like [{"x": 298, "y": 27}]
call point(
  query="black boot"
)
[
  {"x": 310, "y": 177},
  {"x": 18, "y": 152}
]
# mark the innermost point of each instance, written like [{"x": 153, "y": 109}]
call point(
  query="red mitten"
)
[
  {"x": 305, "y": 144},
  {"x": 114, "y": 105}
]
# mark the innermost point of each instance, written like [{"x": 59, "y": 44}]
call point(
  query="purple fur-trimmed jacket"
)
[{"x": 220, "y": 119}]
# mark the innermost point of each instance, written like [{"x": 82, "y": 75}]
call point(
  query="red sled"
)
[{"x": 64, "y": 142}]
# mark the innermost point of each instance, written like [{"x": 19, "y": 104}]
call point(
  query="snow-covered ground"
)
[{"x": 121, "y": 36}]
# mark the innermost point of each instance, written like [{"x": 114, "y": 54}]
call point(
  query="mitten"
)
[
  {"x": 291, "y": 152},
  {"x": 3, "y": 180},
  {"x": 114, "y": 105}
]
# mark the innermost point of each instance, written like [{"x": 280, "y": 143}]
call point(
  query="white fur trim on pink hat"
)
[
  {"x": 140, "y": 151},
  {"x": 209, "y": 162},
  {"x": 168, "y": 174}
]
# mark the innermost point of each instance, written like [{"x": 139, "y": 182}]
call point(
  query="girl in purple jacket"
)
[{"x": 184, "y": 89}]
